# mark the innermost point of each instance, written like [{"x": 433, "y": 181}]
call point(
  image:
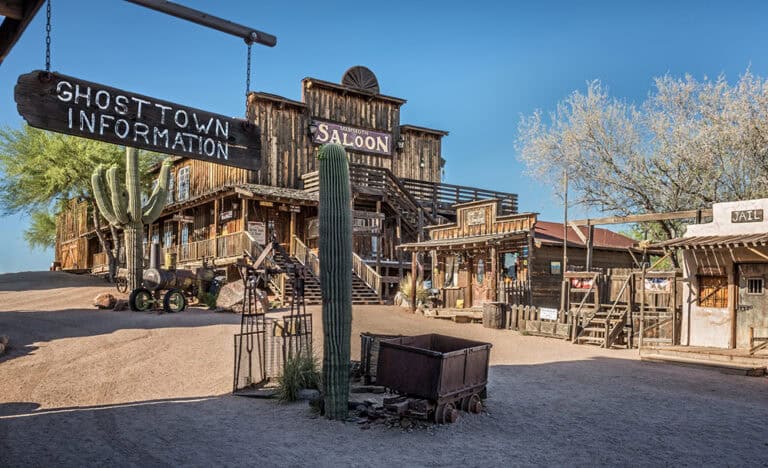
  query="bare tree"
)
[{"x": 690, "y": 144}]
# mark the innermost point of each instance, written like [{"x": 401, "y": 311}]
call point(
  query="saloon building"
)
[{"x": 216, "y": 211}]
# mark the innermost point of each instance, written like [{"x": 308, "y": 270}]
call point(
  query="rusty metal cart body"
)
[{"x": 449, "y": 373}]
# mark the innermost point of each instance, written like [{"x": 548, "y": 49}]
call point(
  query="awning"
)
[
  {"x": 710, "y": 242},
  {"x": 464, "y": 243}
]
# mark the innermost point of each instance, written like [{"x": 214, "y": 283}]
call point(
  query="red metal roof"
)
[{"x": 552, "y": 233}]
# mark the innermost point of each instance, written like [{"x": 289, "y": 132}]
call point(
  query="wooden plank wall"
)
[
  {"x": 205, "y": 176},
  {"x": 419, "y": 146},
  {"x": 491, "y": 224}
]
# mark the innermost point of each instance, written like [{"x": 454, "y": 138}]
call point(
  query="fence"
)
[
  {"x": 517, "y": 293},
  {"x": 527, "y": 319}
]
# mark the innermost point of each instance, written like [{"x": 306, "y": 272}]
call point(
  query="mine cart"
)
[
  {"x": 170, "y": 289},
  {"x": 440, "y": 374}
]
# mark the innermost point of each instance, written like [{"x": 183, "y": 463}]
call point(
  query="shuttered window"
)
[
  {"x": 183, "y": 184},
  {"x": 713, "y": 291}
]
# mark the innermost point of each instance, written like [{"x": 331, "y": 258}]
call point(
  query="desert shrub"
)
[
  {"x": 405, "y": 289},
  {"x": 299, "y": 372}
]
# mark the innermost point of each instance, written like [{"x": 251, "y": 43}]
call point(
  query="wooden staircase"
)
[{"x": 605, "y": 326}]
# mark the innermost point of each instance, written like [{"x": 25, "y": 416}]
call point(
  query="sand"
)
[{"x": 83, "y": 386}]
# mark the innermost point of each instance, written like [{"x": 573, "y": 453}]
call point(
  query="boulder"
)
[
  {"x": 4, "y": 340},
  {"x": 231, "y": 296},
  {"x": 104, "y": 301},
  {"x": 120, "y": 304},
  {"x": 2, "y": 349}
]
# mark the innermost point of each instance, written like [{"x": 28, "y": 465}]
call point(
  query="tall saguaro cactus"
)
[
  {"x": 335, "y": 277},
  {"x": 121, "y": 206}
]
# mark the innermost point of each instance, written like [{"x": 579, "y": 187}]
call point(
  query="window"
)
[
  {"x": 183, "y": 185},
  {"x": 168, "y": 236},
  {"x": 480, "y": 271},
  {"x": 713, "y": 291},
  {"x": 755, "y": 286},
  {"x": 171, "y": 180}
]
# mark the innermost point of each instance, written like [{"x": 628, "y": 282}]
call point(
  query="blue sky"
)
[{"x": 471, "y": 68}]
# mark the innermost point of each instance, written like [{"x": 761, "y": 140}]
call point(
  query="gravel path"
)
[{"x": 85, "y": 387}]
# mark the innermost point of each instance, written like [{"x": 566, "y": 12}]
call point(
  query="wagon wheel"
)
[
  {"x": 174, "y": 301},
  {"x": 121, "y": 284},
  {"x": 474, "y": 404},
  {"x": 140, "y": 299},
  {"x": 446, "y": 414}
]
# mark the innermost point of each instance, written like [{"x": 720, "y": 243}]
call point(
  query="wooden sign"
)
[
  {"x": 183, "y": 219},
  {"x": 475, "y": 217},
  {"x": 354, "y": 138},
  {"x": 747, "y": 216},
  {"x": 90, "y": 110},
  {"x": 258, "y": 230}
]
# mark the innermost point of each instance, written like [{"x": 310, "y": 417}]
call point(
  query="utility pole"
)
[{"x": 564, "y": 266}]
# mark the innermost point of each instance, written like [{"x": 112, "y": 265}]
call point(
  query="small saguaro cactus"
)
[
  {"x": 121, "y": 206},
  {"x": 335, "y": 277}
]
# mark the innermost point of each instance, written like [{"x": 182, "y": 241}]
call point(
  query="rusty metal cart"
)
[{"x": 442, "y": 374}]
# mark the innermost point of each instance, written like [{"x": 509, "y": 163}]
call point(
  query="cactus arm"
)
[
  {"x": 157, "y": 201},
  {"x": 100, "y": 195},
  {"x": 118, "y": 197}
]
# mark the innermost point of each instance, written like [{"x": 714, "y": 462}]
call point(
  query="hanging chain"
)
[
  {"x": 248, "y": 78},
  {"x": 48, "y": 37}
]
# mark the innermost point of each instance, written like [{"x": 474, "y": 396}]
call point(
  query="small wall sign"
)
[
  {"x": 90, "y": 110},
  {"x": 475, "y": 217},
  {"x": 747, "y": 216},
  {"x": 354, "y": 138},
  {"x": 258, "y": 230}
]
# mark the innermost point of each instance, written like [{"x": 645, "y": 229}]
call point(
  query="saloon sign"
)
[
  {"x": 69, "y": 105},
  {"x": 354, "y": 138}
]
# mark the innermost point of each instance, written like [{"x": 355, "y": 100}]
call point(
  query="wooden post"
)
[
  {"x": 215, "y": 227},
  {"x": 673, "y": 301},
  {"x": 733, "y": 291},
  {"x": 413, "y": 281},
  {"x": 495, "y": 275},
  {"x": 398, "y": 236},
  {"x": 642, "y": 309},
  {"x": 292, "y": 233},
  {"x": 751, "y": 337},
  {"x": 378, "y": 238},
  {"x": 470, "y": 270},
  {"x": 590, "y": 244}
]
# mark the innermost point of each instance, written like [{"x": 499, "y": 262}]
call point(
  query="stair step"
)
[{"x": 591, "y": 338}]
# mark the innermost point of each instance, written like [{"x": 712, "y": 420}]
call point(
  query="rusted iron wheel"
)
[
  {"x": 174, "y": 301},
  {"x": 474, "y": 404},
  {"x": 140, "y": 299},
  {"x": 446, "y": 414}
]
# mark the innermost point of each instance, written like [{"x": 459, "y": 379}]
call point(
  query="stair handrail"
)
[
  {"x": 578, "y": 310},
  {"x": 609, "y": 332},
  {"x": 268, "y": 261},
  {"x": 366, "y": 273},
  {"x": 305, "y": 256}
]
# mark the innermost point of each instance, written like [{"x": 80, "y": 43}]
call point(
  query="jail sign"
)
[
  {"x": 747, "y": 216},
  {"x": 64, "y": 104}
]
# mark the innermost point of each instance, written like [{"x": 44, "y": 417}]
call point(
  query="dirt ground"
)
[{"x": 86, "y": 387}]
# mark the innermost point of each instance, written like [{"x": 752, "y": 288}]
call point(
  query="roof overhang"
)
[
  {"x": 18, "y": 15},
  {"x": 711, "y": 242},
  {"x": 464, "y": 243}
]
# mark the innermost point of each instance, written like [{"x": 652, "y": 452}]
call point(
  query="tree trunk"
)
[
  {"x": 335, "y": 278},
  {"x": 103, "y": 241},
  {"x": 134, "y": 255}
]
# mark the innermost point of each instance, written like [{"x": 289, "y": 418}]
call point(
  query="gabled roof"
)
[{"x": 552, "y": 233}]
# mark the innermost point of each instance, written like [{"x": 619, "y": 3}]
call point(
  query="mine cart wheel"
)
[
  {"x": 174, "y": 301},
  {"x": 121, "y": 284},
  {"x": 140, "y": 299},
  {"x": 446, "y": 414},
  {"x": 474, "y": 404}
]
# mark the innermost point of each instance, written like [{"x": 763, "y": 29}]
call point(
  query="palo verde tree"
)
[
  {"x": 689, "y": 144},
  {"x": 122, "y": 206},
  {"x": 335, "y": 277},
  {"x": 40, "y": 171}
]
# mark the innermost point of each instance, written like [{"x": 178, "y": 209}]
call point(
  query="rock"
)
[
  {"x": 104, "y": 301},
  {"x": 4, "y": 340},
  {"x": 406, "y": 423},
  {"x": 2, "y": 349},
  {"x": 231, "y": 295},
  {"x": 120, "y": 304},
  {"x": 309, "y": 394}
]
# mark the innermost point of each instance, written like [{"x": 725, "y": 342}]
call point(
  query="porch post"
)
[
  {"x": 215, "y": 227},
  {"x": 495, "y": 275},
  {"x": 413, "y": 281},
  {"x": 292, "y": 233}
]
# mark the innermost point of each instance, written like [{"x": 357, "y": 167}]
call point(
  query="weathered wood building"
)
[
  {"x": 219, "y": 211},
  {"x": 488, "y": 255}
]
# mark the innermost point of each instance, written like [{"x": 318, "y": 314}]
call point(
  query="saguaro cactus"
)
[
  {"x": 335, "y": 277},
  {"x": 121, "y": 206}
]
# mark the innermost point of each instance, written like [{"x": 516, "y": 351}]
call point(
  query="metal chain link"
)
[
  {"x": 48, "y": 37},
  {"x": 248, "y": 78}
]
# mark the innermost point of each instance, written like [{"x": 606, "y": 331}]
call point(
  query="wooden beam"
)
[
  {"x": 578, "y": 232},
  {"x": 11, "y": 29},
  {"x": 13, "y": 9},
  {"x": 646, "y": 217}
]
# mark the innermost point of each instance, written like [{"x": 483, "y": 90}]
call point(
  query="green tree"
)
[{"x": 40, "y": 171}]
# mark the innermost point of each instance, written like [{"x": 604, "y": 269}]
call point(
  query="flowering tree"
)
[{"x": 690, "y": 144}]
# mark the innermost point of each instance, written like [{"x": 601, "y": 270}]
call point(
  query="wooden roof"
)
[
  {"x": 552, "y": 233},
  {"x": 463, "y": 243},
  {"x": 265, "y": 192},
  {"x": 710, "y": 242},
  {"x": 18, "y": 14},
  {"x": 416, "y": 128},
  {"x": 327, "y": 84}
]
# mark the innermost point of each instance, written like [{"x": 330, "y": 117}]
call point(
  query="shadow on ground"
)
[
  {"x": 600, "y": 411},
  {"x": 44, "y": 280}
]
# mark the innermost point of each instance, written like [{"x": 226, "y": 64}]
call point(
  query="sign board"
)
[
  {"x": 183, "y": 219},
  {"x": 657, "y": 284},
  {"x": 258, "y": 230},
  {"x": 475, "y": 217},
  {"x": 226, "y": 215},
  {"x": 545, "y": 313},
  {"x": 90, "y": 110},
  {"x": 581, "y": 283},
  {"x": 354, "y": 138},
  {"x": 747, "y": 216}
]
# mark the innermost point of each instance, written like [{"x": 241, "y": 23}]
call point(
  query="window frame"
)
[
  {"x": 183, "y": 182},
  {"x": 762, "y": 286},
  {"x": 716, "y": 298}
]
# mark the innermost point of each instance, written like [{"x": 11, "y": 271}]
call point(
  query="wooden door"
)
[{"x": 752, "y": 304}]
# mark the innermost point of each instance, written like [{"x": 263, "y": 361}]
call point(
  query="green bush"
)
[
  {"x": 299, "y": 372},
  {"x": 405, "y": 289}
]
